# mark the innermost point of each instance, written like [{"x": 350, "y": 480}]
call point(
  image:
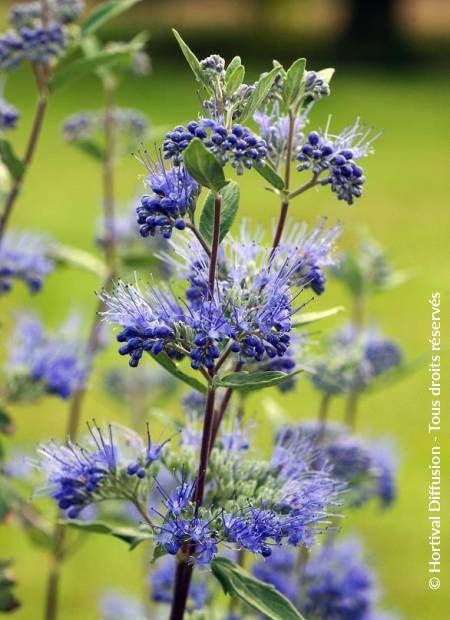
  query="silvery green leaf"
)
[
  {"x": 103, "y": 13},
  {"x": 259, "y": 595},
  {"x": 269, "y": 174},
  {"x": 203, "y": 166},
  {"x": 230, "y": 205}
]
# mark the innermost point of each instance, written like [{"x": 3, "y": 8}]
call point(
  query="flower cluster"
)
[
  {"x": 38, "y": 45},
  {"x": 336, "y": 156},
  {"x": 25, "y": 256},
  {"x": 101, "y": 468},
  {"x": 335, "y": 582},
  {"x": 130, "y": 124},
  {"x": 354, "y": 359},
  {"x": 9, "y": 116},
  {"x": 55, "y": 361},
  {"x": 28, "y": 13},
  {"x": 174, "y": 195},
  {"x": 315, "y": 86},
  {"x": 239, "y": 146},
  {"x": 274, "y": 129},
  {"x": 249, "y": 312},
  {"x": 368, "y": 468}
]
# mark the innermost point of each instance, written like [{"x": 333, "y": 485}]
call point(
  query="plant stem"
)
[
  {"x": 351, "y": 410},
  {"x": 76, "y": 405},
  {"x": 215, "y": 243},
  {"x": 200, "y": 237},
  {"x": 323, "y": 416},
  {"x": 185, "y": 566},
  {"x": 287, "y": 179},
  {"x": 28, "y": 157}
]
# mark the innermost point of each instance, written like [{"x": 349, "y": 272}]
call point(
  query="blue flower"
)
[
  {"x": 336, "y": 156},
  {"x": 368, "y": 468},
  {"x": 354, "y": 359},
  {"x": 79, "y": 127},
  {"x": 279, "y": 571},
  {"x": 315, "y": 87},
  {"x": 120, "y": 606},
  {"x": 80, "y": 475},
  {"x": 25, "y": 256},
  {"x": 149, "y": 454},
  {"x": 338, "y": 584},
  {"x": 35, "y": 44},
  {"x": 175, "y": 532},
  {"x": 162, "y": 582},
  {"x": 174, "y": 195},
  {"x": 9, "y": 116},
  {"x": 30, "y": 13},
  {"x": 57, "y": 360},
  {"x": 239, "y": 146},
  {"x": 314, "y": 250},
  {"x": 274, "y": 129}
]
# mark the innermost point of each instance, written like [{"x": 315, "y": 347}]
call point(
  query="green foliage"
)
[
  {"x": 103, "y": 13},
  {"x": 269, "y": 174},
  {"x": 249, "y": 381},
  {"x": 203, "y": 166},
  {"x": 164, "y": 360},
  {"x": 10, "y": 159},
  {"x": 8, "y": 600},
  {"x": 66, "y": 255},
  {"x": 193, "y": 62},
  {"x": 132, "y": 536},
  {"x": 293, "y": 81},
  {"x": 230, "y": 205},
  {"x": 306, "y": 318},
  {"x": 259, "y": 595},
  {"x": 119, "y": 54},
  {"x": 262, "y": 87}
]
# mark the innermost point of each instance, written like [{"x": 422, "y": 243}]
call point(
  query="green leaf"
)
[
  {"x": 193, "y": 62},
  {"x": 259, "y": 595},
  {"x": 132, "y": 536},
  {"x": 311, "y": 317},
  {"x": 7, "y": 426},
  {"x": 269, "y": 174},
  {"x": 262, "y": 87},
  {"x": 8, "y": 600},
  {"x": 203, "y": 166},
  {"x": 235, "y": 80},
  {"x": 80, "y": 68},
  {"x": 10, "y": 159},
  {"x": 91, "y": 148},
  {"x": 233, "y": 64},
  {"x": 66, "y": 255},
  {"x": 248, "y": 381},
  {"x": 104, "y": 12},
  {"x": 230, "y": 204},
  {"x": 164, "y": 360},
  {"x": 326, "y": 74},
  {"x": 140, "y": 262},
  {"x": 158, "y": 552},
  {"x": 293, "y": 81}
]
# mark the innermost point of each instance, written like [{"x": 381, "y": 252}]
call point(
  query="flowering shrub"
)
[{"x": 227, "y": 317}]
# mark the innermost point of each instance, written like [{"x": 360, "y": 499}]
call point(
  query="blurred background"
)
[{"x": 391, "y": 59}]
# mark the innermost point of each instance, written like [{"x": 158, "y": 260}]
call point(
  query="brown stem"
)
[
  {"x": 108, "y": 180},
  {"x": 323, "y": 416},
  {"x": 185, "y": 566},
  {"x": 28, "y": 158},
  {"x": 287, "y": 179},
  {"x": 200, "y": 238},
  {"x": 351, "y": 410},
  {"x": 76, "y": 405}
]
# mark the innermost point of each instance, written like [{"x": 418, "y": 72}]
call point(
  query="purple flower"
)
[
  {"x": 57, "y": 360},
  {"x": 25, "y": 256},
  {"x": 336, "y": 156},
  {"x": 239, "y": 146},
  {"x": 9, "y": 116},
  {"x": 175, "y": 532},
  {"x": 162, "y": 582},
  {"x": 174, "y": 194}
]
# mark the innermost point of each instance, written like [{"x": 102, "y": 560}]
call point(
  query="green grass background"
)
[{"x": 405, "y": 207}]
